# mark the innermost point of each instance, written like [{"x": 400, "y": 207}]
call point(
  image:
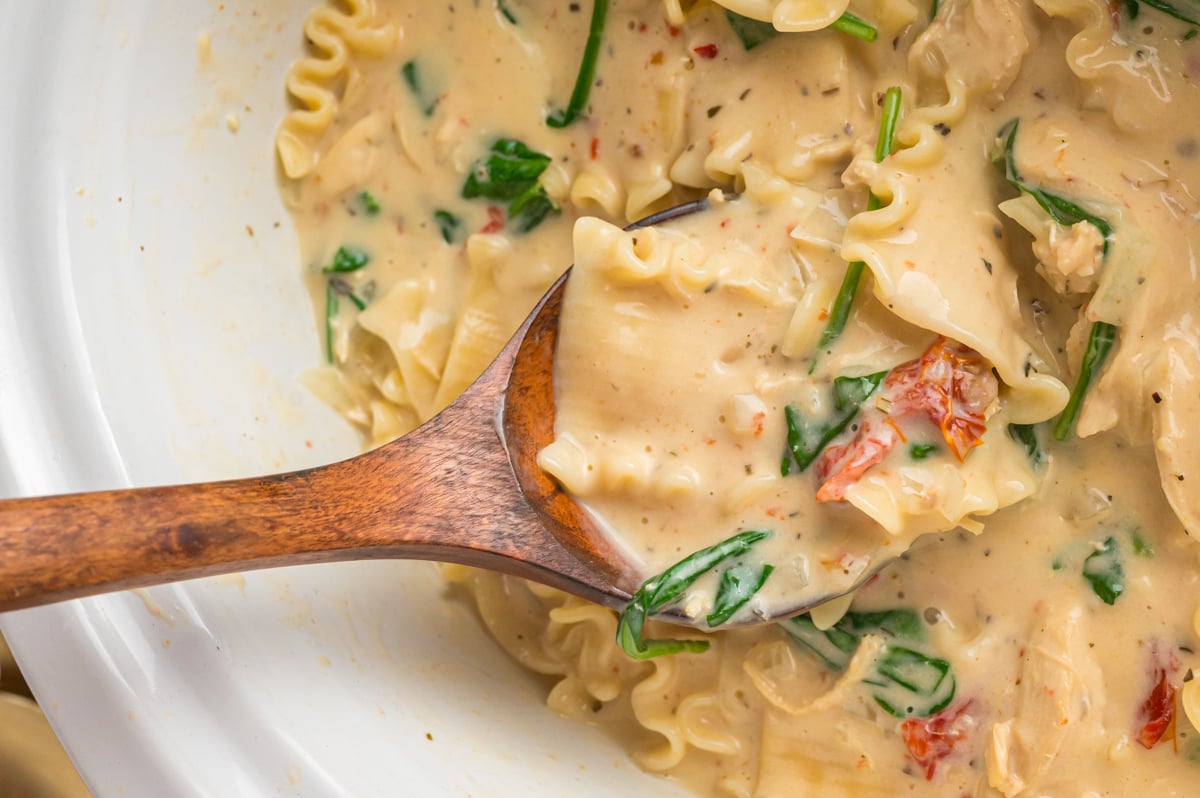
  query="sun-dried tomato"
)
[
  {"x": 1158, "y": 710},
  {"x": 930, "y": 740},
  {"x": 839, "y": 467},
  {"x": 952, "y": 386}
]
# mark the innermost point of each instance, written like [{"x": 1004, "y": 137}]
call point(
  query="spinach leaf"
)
[
  {"x": 836, "y": 645},
  {"x": 411, "y": 72},
  {"x": 1026, "y": 435},
  {"x": 659, "y": 592},
  {"x": 1100, "y": 343},
  {"x": 904, "y": 624},
  {"x": 342, "y": 288},
  {"x": 911, "y": 684},
  {"x": 331, "y": 312},
  {"x": 587, "y": 69},
  {"x": 1177, "y": 10},
  {"x": 1141, "y": 547},
  {"x": 509, "y": 174},
  {"x": 506, "y": 12},
  {"x": 839, "y": 311},
  {"x": 368, "y": 203},
  {"x": 347, "y": 259},
  {"x": 738, "y": 586},
  {"x": 807, "y": 438},
  {"x": 506, "y": 173},
  {"x": 448, "y": 224},
  {"x": 1059, "y": 208},
  {"x": 530, "y": 209},
  {"x": 753, "y": 32},
  {"x": 858, "y": 28},
  {"x": 919, "y": 451},
  {"x": 905, "y": 681},
  {"x": 1104, "y": 569},
  {"x": 850, "y": 392},
  {"x": 336, "y": 287}
]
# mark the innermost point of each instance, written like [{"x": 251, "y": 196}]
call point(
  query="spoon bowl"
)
[{"x": 464, "y": 487}]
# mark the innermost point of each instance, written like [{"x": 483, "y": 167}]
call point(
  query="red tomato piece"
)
[
  {"x": 951, "y": 385},
  {"x": 1158, "y": 709},
  {"x": 839, "y": 467},
  {"x": 930, "y": 740}
]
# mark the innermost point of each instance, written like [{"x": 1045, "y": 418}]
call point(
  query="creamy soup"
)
[{"x": 949, "y": 313}]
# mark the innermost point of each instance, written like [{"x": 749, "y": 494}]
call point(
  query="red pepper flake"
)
[
  {"x": 1159, "y": 711},
  {"x": 706, "y": 51},
  {"x": 595, "y": 150},
  {"x": 641, "y": 27},
  {"x": 930, "y": 740},
  {"x": 673, "y": 30},
  {"x": 495, "y": 220},
  {"x": 759, "y": 422}
]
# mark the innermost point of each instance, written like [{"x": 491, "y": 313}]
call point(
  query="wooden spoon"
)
[{"x": 464, "y": 487}]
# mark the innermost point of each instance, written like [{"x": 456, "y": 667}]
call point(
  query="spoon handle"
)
[
  {"x": 444, "y": 492},
  {"x": 61, "y": 547}
]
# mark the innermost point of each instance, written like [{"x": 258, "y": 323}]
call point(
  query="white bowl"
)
[{"x": 153, "y": 330}]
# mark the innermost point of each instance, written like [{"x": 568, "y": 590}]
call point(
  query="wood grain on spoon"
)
[{"x": 464, "y": 487}]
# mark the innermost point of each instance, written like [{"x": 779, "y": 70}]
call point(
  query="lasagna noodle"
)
[{"x": 318, "y": 83}]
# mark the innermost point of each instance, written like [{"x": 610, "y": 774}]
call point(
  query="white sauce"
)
[{"x": 1055, "y": 691}]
